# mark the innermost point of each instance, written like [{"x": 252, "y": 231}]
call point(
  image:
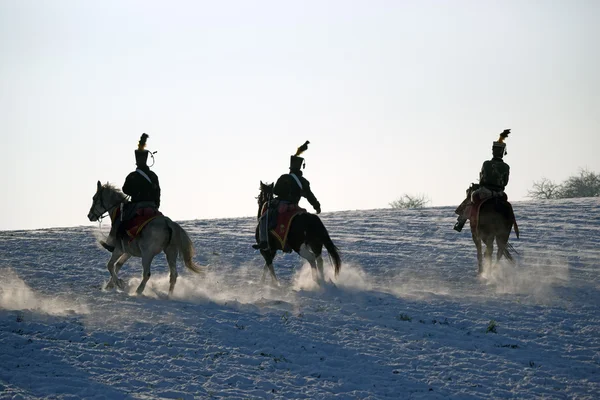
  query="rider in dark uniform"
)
[
  {"x": 493, "y": 178},
  {"x": 143, "y": 187},
  {"x": 289, "y": 188}
]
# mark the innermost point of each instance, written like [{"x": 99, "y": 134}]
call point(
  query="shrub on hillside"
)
[
  {"x": 409, "y": 201},
  {"x": 544, "y": 189},
  {"x": 586, "y": 184}
]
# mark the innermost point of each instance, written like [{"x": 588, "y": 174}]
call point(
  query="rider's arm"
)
[{"x": 310, "y": 196}]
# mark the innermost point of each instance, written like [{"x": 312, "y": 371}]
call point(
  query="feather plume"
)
[
  {"x": 302, "y": 148},
  {"x": 142, "y": 142},
  {"x": 504, "y": 135}
]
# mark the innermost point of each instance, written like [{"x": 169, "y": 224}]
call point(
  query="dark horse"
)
[
  {"x": 307, "y": 235},
  {"x": 495, "y": 222}
]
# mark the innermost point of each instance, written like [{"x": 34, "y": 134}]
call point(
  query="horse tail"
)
[
  {"x": 335, "y": 255},
  {"x": 332, "y": 249},
  {"x": 507, "y": 252},
  {"x": 184, "y": 245}
]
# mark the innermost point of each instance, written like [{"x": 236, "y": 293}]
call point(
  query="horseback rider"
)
[
  {"x": 144, "y": 189},
  {"x": 289, "y": 188},
  {"x": 493, "y": 178}
]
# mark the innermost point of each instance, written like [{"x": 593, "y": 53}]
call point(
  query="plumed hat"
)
[
  {"x": 499, "y": 147},
  {"x": 141, "y": 154},
  {"x": 295, "y": 161}
]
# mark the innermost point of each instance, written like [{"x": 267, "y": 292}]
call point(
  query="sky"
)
[{"x": 396, "y": 97}]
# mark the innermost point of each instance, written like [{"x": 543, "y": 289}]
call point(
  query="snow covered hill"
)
[{"x": 407, "y": 318}]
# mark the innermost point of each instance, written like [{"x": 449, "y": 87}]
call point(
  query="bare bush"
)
[
  {"x": 409, "y": 201},
  {"x": 587, "y": 184},
  {"x": 544, "y": 189}
]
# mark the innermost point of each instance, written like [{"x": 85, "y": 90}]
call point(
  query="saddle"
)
[{"x": 133, "y": 226}]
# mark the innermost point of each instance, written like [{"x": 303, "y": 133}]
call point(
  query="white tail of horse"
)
[{"x": 184, "y": 245}]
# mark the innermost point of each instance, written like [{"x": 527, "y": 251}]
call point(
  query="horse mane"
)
[
  {"x": 266, "y": 188},
  {"x": 113, "y": 188}
]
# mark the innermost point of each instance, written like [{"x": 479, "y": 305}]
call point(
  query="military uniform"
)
[
  {"x": 493, "y": 178},
  {"x": 292, "y": 187},
  {"x": 143, "y": 187}
]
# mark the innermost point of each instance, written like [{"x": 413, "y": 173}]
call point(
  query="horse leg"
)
[
  {"x": 307, "y": 254},
  {"x": 122, "y": 260},
  {"x": 501, "y": 248},
  {"x": 477, "y": 242},
  {"x": 114, "y": 280},
  {"x": 171, "y": 254},
  {"x": 317, "y": 250},
  {"x": 269, "y": 256},
  {"x": 146, "y": 261},
  {"x": 320, "y": 265},
  {"x": 489, "y": 250},
  {"x": 272, "y": 272}
]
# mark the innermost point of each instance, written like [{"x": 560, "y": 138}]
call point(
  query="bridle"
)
[{"x": 104, "y": 209}]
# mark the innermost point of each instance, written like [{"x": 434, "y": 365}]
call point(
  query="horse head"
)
[
  {"x": 266, "y": 194},
  {"x": 105, "y": 198}
]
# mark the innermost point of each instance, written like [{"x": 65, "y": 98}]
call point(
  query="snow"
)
[{"x": 407, "y": 318}]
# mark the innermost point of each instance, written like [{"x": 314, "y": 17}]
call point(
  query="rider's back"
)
[
  {"x": 140, "y": 189},
  {"x": 288, "y": 188},
  {"x": 494, "y": 174}
]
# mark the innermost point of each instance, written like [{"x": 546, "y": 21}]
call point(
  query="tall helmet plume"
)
[
  {"x": 141, "y": 154},
  {"x": 302, "y": 148},
  {"x": 142, "y": 142},
  {"x": 504, "y": 135}
]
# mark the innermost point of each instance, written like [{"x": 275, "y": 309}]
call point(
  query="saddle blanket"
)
[{"x": 285, "y": 215}]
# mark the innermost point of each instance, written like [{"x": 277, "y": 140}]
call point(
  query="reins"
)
[{"x": 106, "y": 209}]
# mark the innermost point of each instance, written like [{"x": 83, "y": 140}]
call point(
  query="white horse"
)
[{"x": 160, "y": 234}]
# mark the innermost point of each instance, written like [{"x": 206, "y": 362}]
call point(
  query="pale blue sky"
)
[{"x": 395, "y": 96}]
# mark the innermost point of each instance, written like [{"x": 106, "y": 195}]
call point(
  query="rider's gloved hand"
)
[{"x": 318, "y": 209}]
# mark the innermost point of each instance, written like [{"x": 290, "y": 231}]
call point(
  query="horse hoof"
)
[{"x": 109, "y": 286}]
